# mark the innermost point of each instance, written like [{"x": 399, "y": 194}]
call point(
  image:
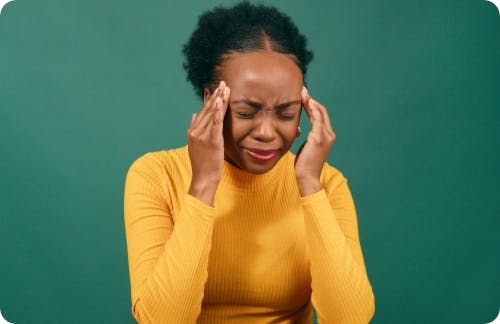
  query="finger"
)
[
  {"x": 203, "y": 111},
  {"x": 212, "y": 96},
  {"x": 225, "y": 100},
  {"x": 219, "y": 90},
  {"x": 218, "y": 120},
  {"x": 193, "y": 117},
  {"x": 305, "y": 101},
  {"x": 222, "y": 111},
  {"x": 316, "y": 116},
  {"x": 321, "y": 130},
  {"x": 222, "y": 106},
  {"x": 210, "y": 114},
  {"x": 209, "y": 107},
  {"x": 216, "y": 124},
  {"x": 218, "y": 107},
  {"x": 317, "y": 122},
  {"x": 318, "y": 128},
  {"x": 324, "y": 115},
  {"x": 313, "y": 104}
]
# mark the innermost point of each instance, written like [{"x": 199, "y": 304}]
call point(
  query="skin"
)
[
  {"x": 262, "y": 93},
  {"x": 264, "y": 109}
]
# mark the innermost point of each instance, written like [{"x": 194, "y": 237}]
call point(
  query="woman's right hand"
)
[{"x": 206, "y": 145}]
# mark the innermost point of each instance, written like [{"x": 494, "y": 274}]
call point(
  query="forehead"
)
[{"x": 264, "y": 75}]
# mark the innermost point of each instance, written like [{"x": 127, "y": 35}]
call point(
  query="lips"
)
[{"x": 261, "y": 155}]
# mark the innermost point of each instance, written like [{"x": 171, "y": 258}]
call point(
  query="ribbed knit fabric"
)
[{"x": 262, "y": 254}]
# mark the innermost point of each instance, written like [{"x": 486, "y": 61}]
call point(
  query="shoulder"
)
[
  {"x": 162, "y": 164},
  {"x": 163, "y": 159},
  {"x": 164, "y": 175}
]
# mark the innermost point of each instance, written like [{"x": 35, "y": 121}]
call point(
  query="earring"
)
[{"x": 299, "y": 131}]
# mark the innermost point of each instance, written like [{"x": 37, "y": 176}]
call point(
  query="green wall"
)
[{"x": 413, "y": 89}]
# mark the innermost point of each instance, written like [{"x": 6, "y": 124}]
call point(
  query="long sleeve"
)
[
  {"x": 341, "y": 291},
  {"x": 167, "y": 263}
]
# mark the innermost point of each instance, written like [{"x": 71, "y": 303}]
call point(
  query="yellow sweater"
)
[{"x": 262, "y": 254}]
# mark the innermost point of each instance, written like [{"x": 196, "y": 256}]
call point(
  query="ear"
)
[{"x": 206, "y": 95}]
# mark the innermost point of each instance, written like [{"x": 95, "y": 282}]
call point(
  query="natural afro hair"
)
[{"x": 242, "y": 28}]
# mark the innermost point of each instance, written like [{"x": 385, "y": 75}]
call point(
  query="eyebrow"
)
[{"x": 258, "y": 105}]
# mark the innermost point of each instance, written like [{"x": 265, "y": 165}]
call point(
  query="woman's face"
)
[{"x": 264, "y": 108}]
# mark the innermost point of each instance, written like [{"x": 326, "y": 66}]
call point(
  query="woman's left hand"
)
[{"x": 313, "y": 153}]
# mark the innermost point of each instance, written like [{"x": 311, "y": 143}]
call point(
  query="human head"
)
[{"x": 260, "y": 54}]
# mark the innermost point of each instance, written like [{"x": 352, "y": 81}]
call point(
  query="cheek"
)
[
  {"x": 234, "y": 128},
  {"x": 289, "y": 131}
]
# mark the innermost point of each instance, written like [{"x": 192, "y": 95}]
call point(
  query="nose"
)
[{"x": 265, "y": 129}]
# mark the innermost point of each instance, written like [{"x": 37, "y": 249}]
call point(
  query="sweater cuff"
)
[
  {"x": 199, "y": 207},
  {"x": 312, "y": 198}
]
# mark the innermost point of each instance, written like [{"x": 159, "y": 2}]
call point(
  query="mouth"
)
[{"x": 261, "y": 155}]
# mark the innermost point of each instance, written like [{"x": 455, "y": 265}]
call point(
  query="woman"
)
[{"x": 234, "y": 228}]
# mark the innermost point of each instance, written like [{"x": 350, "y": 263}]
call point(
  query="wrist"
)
[
  {"x": 203, "y": 191},
  {"x": 309, "y": 186}
]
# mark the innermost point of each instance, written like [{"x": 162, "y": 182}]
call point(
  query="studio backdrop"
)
[{"x": 413, "y": 91}]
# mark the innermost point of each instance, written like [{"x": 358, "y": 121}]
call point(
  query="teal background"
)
[{"x": 413, "y": 90}]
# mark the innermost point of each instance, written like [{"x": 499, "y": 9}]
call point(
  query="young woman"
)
[{"x": 233, "y": 227}]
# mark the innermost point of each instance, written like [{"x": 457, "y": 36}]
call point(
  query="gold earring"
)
[{"x": 299, "y": 131}]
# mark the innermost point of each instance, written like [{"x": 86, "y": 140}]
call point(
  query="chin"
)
[{"x": 259, "y": 168}]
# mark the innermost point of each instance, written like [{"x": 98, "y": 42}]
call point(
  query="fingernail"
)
[
  {"x": 226, "y": 91},
  {"x": 306, "y": 93}
]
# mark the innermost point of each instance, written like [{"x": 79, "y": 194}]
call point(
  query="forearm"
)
[
  {"x": 168, "y": 287},
  {"x": 341, "y": 291}
]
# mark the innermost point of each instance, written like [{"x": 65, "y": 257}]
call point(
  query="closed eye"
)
[
  {"x": 285, "y": 116},
  {"x": 287, "y": 112},
  {"x": 246, "y": 114}
]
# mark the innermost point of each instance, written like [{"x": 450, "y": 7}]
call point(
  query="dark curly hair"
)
[{"x": 242, "y": 28}]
